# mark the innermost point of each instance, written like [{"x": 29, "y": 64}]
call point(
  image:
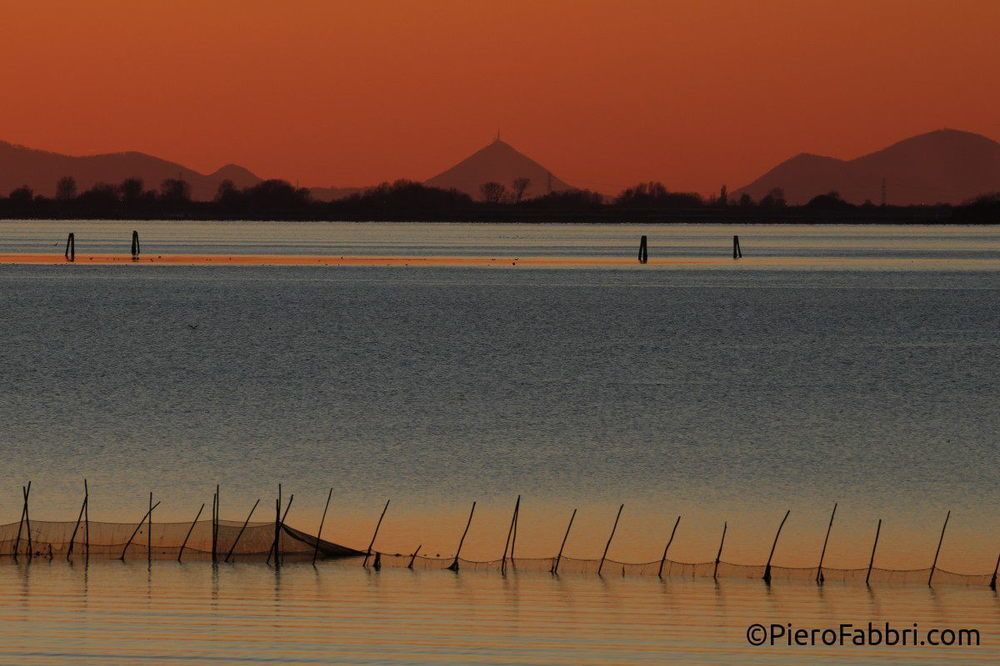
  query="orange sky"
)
[{"x": 605, "y": 94}]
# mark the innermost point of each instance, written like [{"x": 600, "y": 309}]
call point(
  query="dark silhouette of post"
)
[
  {"x": 718, "y": 556},
  {"x": 277, "y": 524},
  {"x": 20, "y": 525},
  {"x": 458, "y": 552},
  {"x": 643, "y": 250},
  {"x": 76, "y": 528},
  {"x": 27, "y": 521},
  {"x": 71, "y": 248},
  {"x": 510, "y": 532},
  {"x": 276, "y": 548},
  {"x": 659, "y": 573},
  {"x": 767, "y": 568},
  {"x": 871, "y": 562},
  {"x": 414, "y": 557},
  {"x": 149, "y": 531},
  {"x": 555, "y": 565},
  {"x": 322, "y": 520},
  {"x": 822, "y": 554},
  {"x": 993, "y": 581},
  {"x": 245, "y": 523},
  {"x": 737, "y": 252},
  {"x": 371, "y": 545},
  {"x": 610, "y": 537},
  {"x": 135, "y": 246},
  {"x": 136, "y": 531},
  {"x": 86, "y": 520},
  {"x": 938, "y": 551},
  {"x": 216, "y": 501},
  {"x": 194, "y": 522}
]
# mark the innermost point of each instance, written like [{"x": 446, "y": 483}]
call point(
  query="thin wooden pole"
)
[
  {"x": 240, "y": 533},
  {"x": 277, "y": 525},
  {"x": 938, "y": 551},
  {"x": 190, "y": 529},
  {"x": 737, "y": 251},
  {"x": 510, "y": 531},
  {"x": 767, "y": 568},
  {"x": 555, "y": 565},
  {"x": 27, "y": 521},
  {"x": 72, "y": 539},
  {"x": 414, "y": 557},
  {"x": 136, "y": 531},
  {"x": 322, "y": 520},
  {"x": 718, "y": 556},
  {"x": 822, "y": 554},
  {"x": 513, "y": 537},
  {"x": 135, "y": 245},
  {"x": 368, "y": 553},
  {"x": 216, "y": 510},
  {"x": 281, "y": 526},
  {"x": 86, "y": 518},
  {"x": 71, "y": 248},
  {"x": 20, "y": 524},
  {"x": 643, "y": 251},
  {"x": 659, "y": 573},
  {"x": 993, "y": 581},
  {"x": 610, "y": 537},
  {"x": 454, "y": 564},
  {"x": 871, "y": 562},
  {"x": 149, "y": 531}
]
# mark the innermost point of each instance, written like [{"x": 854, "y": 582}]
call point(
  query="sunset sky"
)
[{"x": 605, "y": 94}]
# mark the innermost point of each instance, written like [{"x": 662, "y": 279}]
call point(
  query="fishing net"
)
[{"x": 254, "y": 542}]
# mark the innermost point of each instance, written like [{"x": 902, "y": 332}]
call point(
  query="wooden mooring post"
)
[
  {"x": 938, "y": 551},
  {"x": 822, "y": 553},
  {"x": 611, "y": 536},
  {"x": 194, "y": 522},
  {"x": 371, "y": 544},
  {"x": 135, "y": 246},
  {"x": 643, "y": 250},
  {"x": 993, "y": 581},
  {"x": 71, "y": 248},
  {"x": 737, "y": 251},
  {"x": 767, "y": 567},
  {"x": 458, "y": 552},
  {"x": 659, "y": 572},
  {"x": 555, "y": 565},
  {"x": 871, "y": 562}
]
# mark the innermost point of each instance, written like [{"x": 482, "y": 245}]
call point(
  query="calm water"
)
[{"x": 729, "y": 393}]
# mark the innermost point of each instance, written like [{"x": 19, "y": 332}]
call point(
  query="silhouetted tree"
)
[
  {"x": 746, "y": 201},
  {"x": 723, "y": 196},
  {"x": 22, "y": 196},
  {"x": 492, "y": 192},
  {"x": 655, "y": 195},
  {"x": 830, "y": 201},
  {"x": 519, "y": 186},
  {"x": 175, "y": 191},
  {"x": 66, "y": 188},
  {"x": 131, "y": 190},
  {"x": 773, "y": 199},
  {"x": 273, "y": 196},
  {"x": 101, "y": 200}
]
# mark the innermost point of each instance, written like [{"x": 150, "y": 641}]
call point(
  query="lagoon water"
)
[{"x": 859, "y": 366}]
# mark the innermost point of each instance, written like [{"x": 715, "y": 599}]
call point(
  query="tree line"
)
[{"x": 412, "y": 201}]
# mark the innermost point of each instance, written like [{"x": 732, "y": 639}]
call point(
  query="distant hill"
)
[
  {"x": 502, "y": 163},
  {"x": 944, "y": 166},
  {"x": 40, "y": 170}
]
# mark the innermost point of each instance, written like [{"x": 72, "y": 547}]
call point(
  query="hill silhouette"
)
[
  {"x": 944, "y": 166},
  {"x": 40, "y": 170},
  {"x": 501, "y": 163}
]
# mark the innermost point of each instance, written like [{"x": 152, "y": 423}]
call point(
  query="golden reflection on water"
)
[{"x": 112, "y": 612}]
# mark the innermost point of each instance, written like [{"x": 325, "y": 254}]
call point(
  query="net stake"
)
[
  {"x": 993, "y": 581},
  {"x": 871, "y": 562},
  {"x": 555, "y": 565},
  {"x": 86, "y": 519},
  {"x": 767, "y": 567},
  {"x": 281, "y": 526},
  {"x": 510, "y": 531},
  {"x": 938, "y": 551},
  {"x": 190, "y": 529},
  {"x": 245, "y": 522},
  {"x": 27, "y": 522},
  {"x": 413, "y": 557},
  {"x": 822, "y": 554},
  {"x": 610, "y": 537},
  {"x": 149, "y": 534},
  {"x": 322, "y": 520},
  {"x": 718, "y": 556},
  {"x": 371, "y": 544},
  {"x": 76, "y": 528},
  {"x": 136, "y": 531},
  {"x": 659, "y": 573},
  {"x": 454, "y": 564}
]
